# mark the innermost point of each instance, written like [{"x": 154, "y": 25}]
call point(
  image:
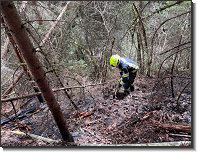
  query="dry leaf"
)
[{"x": 88, "y": 119}]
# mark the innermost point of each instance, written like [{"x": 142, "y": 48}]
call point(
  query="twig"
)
[
  {"x": 181, "y": 93},
  {"x": 92, "y": 134},
  {"x": 175, "y": 47},
  {"x": 94, "y": 121},
  {"x": 12, "y": 85},
  {"x": 169, "y": 119},
  {"x": 179, "y": 135},
  {"x": 81, "y": 114},
  {"x": 148, "y": 115}
]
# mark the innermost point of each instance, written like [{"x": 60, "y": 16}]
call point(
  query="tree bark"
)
[{"x": 21, "y": 38}]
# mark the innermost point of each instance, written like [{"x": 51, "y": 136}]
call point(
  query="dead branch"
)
[
  {"x": 135, "y": 22},
  {"x": 81, "y": 114},
  {"x": 34, "y": 136},
  {"x": 148, "y": 115},
  {"x": 181, "y": 128},
  {"x": 180, "y": 135},
  {"x": 92, "y": 134},
  {"x": 163, "y": 8},
  {"x": 169, "y": 119},
  {"x": 54, "y": 90},
  {"x": 182, "y": 92},
  {"x": 53, "y": 26},
  {"x": 164, "y": 23},
  {"x": 175, "y": 47},
  {"x": 169, "y": 57},
  {"x": 169, "y": 76},
  {"x": 12, "y": 85}
]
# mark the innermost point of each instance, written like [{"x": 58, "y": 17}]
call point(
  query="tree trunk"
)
[
  {"x": 149, "y": 53},
  {"x": 21, "y": 38}
]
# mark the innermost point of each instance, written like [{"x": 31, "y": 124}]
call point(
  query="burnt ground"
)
[{"x": 104, "y": 119}]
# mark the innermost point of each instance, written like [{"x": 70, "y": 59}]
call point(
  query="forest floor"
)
[{"x": 144, "y": 116}]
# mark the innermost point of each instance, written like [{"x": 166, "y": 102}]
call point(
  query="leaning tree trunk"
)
[{"x": 22, "y": 40}]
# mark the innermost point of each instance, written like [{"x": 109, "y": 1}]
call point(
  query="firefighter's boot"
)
[{"x": 126, "y": 92}]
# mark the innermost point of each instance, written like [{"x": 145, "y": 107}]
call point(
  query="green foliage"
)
[
  {"x": 82, "y": 64},
  {"x": 169, "y": 3},
  {"x": 186, "y": 3},
  {"x": 52, "y": 70},
  {"x": 21, "y": 64},
  {"x": 82, "y": 47}
]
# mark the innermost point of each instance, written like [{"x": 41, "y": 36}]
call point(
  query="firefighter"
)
[{"x": 128, "y": 69}]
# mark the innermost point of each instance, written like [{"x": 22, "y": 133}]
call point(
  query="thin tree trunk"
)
[
  {"x": 139, "y": 58},
  {"x": 172, "y": 70},
  {"x": 21, "y": 38},
  {"x": 149, "y": 53}
]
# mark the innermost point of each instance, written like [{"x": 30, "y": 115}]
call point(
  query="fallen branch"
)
[
  {"x": 94, "y": 121},
  {"x": 181, "y": 128},
  {"x": 148, "y": 115},
  {"x": 81, "y": 114},
  {"x": 23, "y": 113},
  {"x": 180, "y": 135},
  {"x": 34, "y": 136},
  {"x": 54, "y": 90}
]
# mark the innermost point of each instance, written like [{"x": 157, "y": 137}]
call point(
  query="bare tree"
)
[{"x": 18, "y": 31}]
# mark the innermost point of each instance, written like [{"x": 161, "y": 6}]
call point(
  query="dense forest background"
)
[{"x": 75, "y": 40}]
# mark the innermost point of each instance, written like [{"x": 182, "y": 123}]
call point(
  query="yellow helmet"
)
[{"x": 114, "y": 60}]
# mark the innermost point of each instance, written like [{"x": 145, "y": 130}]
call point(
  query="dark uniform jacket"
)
[{"x": 127, "y": 67}]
